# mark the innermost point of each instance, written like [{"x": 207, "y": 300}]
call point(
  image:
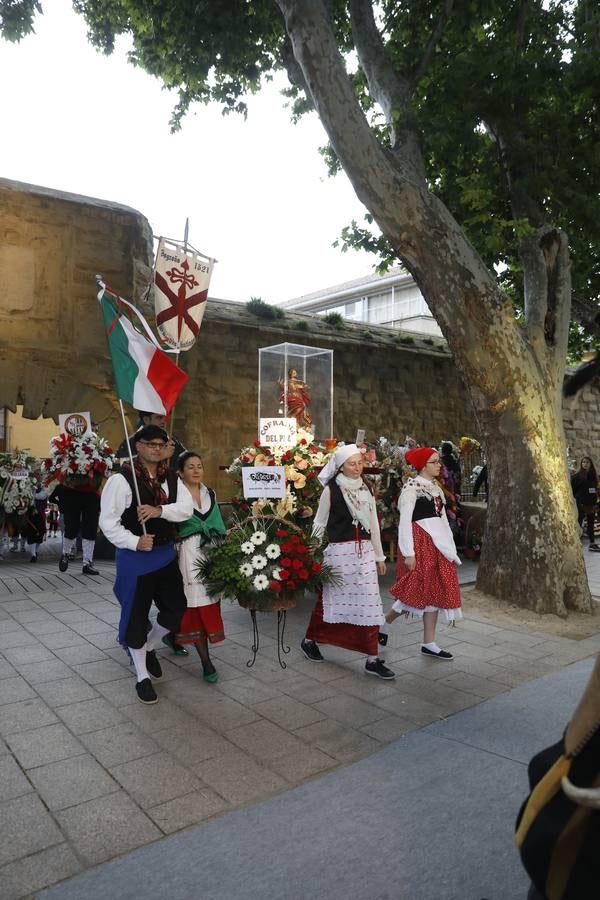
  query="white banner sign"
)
[
  {"x": 181, "y": 280},
  {"x": 75, "y": 424},
  {"x": 263, "y": 481},
  {"x": 278, "y": 432}
]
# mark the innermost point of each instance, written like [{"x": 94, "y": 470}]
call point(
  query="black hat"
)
[{"x": 150, "y": 433}]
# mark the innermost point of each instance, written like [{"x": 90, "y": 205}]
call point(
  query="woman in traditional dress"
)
[
  {"x": 202, "y": 620},
  {"x": 426, "y": 580},
  {"x": 348, "y": 614}
]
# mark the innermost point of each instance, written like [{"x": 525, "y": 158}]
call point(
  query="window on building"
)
[{"x": 381, "y": 308}]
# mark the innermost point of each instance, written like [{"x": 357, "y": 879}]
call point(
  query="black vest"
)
[
  {"x": 340, "y": 527},
  {"x": 426, "y": 508},
  {"x": 164, "y": 532}
]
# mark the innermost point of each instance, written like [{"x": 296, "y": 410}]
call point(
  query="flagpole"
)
[
  {"x": 186, "y": 233},
  {"x": 135, "y": 484}
]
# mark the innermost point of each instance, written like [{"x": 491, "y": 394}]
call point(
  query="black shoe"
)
[
  {"x": 33, "y": 559},
  {"x": 153, "y": 665},
  {"x": 63, "y": 563},
  {"x": 88, "y": 569},
  {"x": 377, "y": 668},
  {"x": 382, "y": 637},
  {"x": 311, "y": 650},
  {"x": 594, "y": 547},
  {"x": 443, "y": 654},
  {"x": 145, "y": 692}
]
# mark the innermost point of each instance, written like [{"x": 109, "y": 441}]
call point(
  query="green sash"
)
[{"x": 208, "y": 527}]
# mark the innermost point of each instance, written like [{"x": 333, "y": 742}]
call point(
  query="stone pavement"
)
[{"x": 88, "y": 773}]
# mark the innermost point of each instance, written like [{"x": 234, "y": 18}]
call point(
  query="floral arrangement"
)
[
  {"x": 262, "y": 562},
  {"x": 468, "y": 445},
  {"x": 78, "y": 460},
  {"x": 18, "y": 483},
  {"x": 302, "y": 464}
]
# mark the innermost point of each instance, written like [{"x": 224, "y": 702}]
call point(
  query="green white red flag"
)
[{"x": 145, "y": 376}]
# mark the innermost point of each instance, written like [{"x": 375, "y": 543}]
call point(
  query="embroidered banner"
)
[{"x": 181, "y": 280}]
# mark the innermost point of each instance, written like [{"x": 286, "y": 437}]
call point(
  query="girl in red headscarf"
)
[{"x": 426, "y": 580}]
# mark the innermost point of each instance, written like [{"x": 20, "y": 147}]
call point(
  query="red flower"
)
[
  {"x": 271, "y": 462},
  {"x": 291, "y": 585},
  {"x": 281, "y": 533},
  {"x": 295, "y": 539},
  {"x": 301, "y": 550},
  {"x": 285, "y": 548},
  {"x": 287, "y": 455},
  {"x": 303, "y": 575},
  {"x": 312, "y": 474},
  {"x": 284, "y": 574},
  {"x": 303, "y": 441},
  {"x": 316, "y": 568},
  {"x": 296, "y": 564},
  {"x": 266, "y": 451},
  {"x": 275, "y": 586},
  {"x": 286, "y": 562},
  {"x": 256, "y": 443}
]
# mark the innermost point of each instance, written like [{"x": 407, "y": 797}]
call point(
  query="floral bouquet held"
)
[
  {"x": 265, "y": 564},
  {"x": 85, "y": 460}
]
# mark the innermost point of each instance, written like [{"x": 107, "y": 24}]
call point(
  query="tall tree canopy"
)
[{"x": 470, "y": 131}]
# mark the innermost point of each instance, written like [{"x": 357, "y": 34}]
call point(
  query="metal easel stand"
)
[{"x": 281, "y": 646}]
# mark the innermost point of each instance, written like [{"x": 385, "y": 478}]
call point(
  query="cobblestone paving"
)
[{"x": 88, "y": 773}]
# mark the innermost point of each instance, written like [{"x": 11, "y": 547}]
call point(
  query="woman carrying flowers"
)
[
  {"x": 348, "y": 613},
  {"x": 426, "y": 580},
  {"x": 202, "y": 620}
]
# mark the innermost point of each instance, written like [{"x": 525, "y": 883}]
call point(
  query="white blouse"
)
[{"x": 437, "y": 527}]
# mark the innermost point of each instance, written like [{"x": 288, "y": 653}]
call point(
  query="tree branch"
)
[
  {"x": 293, "y": 70},
  {"x": 434, "y": 40},
  {"x": 387, "y": 87}
]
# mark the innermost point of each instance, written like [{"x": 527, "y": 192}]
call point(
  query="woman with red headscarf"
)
[{"x": 426, "y": 580}]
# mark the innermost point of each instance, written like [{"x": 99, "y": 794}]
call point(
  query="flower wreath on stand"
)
[
  {"x": 302, "y": 464},
  {"x": 18, "y": 485},
  {"x": 265, "y": 563},
  {"x": 73, "y": 461},
  {"x": 386, "y": 486}
]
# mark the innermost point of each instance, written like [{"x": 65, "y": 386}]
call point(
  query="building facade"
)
[{"x": 392, "y": 300}]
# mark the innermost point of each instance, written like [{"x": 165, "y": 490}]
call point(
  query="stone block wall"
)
[{"x": 53, "y": 353}]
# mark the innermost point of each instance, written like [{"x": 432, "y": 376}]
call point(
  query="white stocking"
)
[
  {"x": 88, "y": 550},
  {"x": 139, "y": 661},
  {"x": 153, "y": 641}
]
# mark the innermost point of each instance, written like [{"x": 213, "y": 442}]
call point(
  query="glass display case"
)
[{"x": 295, "y": 381}]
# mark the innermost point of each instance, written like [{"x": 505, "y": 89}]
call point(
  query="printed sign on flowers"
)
[
  {"x": 278, "y": 432},
  {"x": 263, "y": 481}
]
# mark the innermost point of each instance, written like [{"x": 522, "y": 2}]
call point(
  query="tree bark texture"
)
[{"x": 532, "y": 555}]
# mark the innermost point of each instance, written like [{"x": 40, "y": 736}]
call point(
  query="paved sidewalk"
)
[
  {"x": 430, "y": 817},
  {"x": 87, "y": 773}
]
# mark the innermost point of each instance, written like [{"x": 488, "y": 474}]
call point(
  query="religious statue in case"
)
[{"x": 296, "y": 398}]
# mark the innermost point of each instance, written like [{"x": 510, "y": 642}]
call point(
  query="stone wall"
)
[{"x": 53, "y": 354}]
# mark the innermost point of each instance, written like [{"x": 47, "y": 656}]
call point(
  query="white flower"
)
[
  {"x": 259, "y": 561},
  {"x": 246, "y": 569},
  {"x": 247, "y": 547},
  {"x": 273, "y": 551},
  {"x": 276, "y": 573},
  {"x": 259, "y": 537},
  {"x": 261, "y": 582}
]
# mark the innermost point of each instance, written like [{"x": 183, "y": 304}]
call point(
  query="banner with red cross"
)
[{"x": 181, "y": 280}]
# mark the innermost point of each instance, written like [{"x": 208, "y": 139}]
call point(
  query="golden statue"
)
[{"x": 297, "y": 399}]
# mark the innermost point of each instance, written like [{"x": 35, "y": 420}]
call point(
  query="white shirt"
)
[
  {"x": 322, "y": 517},
  {"x": 116, "y": 498},
  {"x": 436, "y": 527}
]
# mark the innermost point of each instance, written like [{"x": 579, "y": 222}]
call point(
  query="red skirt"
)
[
  {"x": 362, "y": 638},
  {"x": 200, "y": 623},
  {"x": 432, "y": 582}
]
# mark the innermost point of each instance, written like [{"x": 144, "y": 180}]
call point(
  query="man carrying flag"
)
[
  {"x": 147, "y": 567},
  {"x": 141, "y": 504}
]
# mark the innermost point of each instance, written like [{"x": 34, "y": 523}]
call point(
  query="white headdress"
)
[{"x": 337, "y": 461}]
